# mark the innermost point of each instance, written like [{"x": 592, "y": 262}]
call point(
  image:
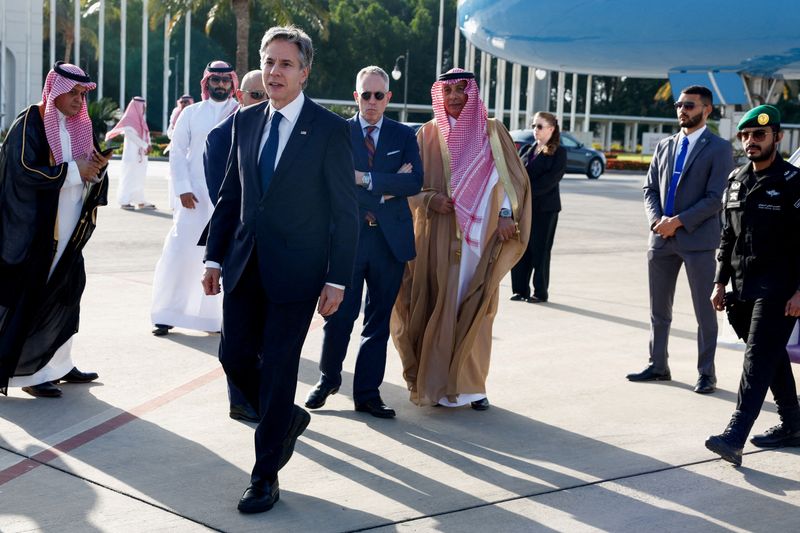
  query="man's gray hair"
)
[
  {"x": 291, "y": 34},
  {"x": 366, "y": 71}
]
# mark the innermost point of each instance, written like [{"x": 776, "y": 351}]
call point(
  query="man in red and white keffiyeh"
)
[
  {"x": 62, "y": 79},
  {"x": 133, "y": 126}
]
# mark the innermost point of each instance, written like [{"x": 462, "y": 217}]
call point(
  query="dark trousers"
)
[
  {"x": 536, "y": 258},
  {"x": 767, "y": 365},
  {"x": 663, "y": 266},
  {"x": 383, "y": 274},
  {"x": 262, "y": 341}
]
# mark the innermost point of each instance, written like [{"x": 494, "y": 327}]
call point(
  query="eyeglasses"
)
[
  {"x": 688, "y": 105},
  {"x": 541, "y": 126},
  {"x": 220, "y": 79},
  {"x": 367, "y": 95},
  {"x": 756, "y": 135},
  {"x": 256, "y": 95}
]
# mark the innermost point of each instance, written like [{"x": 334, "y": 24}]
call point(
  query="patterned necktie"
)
[
  {"x": 266, "y": 163},
  {"x": 369, "y": 142},
  {"x": 669, "y": 205}
]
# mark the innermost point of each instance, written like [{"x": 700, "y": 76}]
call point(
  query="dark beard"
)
[
  {"x": 218, "y": 95},
  {"x": 691, "y": 122},
  {"x": 766, "y": 153}
]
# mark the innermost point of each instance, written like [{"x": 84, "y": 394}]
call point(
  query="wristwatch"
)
[
  {"x": 366, "y": 179},
  {"x": 505, "y": 213}
]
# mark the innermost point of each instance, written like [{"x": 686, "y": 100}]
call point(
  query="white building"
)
[{"x": 21, "y": 56}]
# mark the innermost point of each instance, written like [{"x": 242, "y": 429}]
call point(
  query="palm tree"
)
[{"x": 65, "y": 26}]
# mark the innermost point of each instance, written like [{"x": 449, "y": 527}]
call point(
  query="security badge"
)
[
  {"x": 733, "y": 194},
  {"x": 763, "y": 119}
]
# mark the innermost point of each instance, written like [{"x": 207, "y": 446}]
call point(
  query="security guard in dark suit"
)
[{"x": 760, "y": 256}]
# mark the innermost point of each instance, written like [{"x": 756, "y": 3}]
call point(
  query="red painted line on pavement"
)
[{"x": 84, "y": 437}]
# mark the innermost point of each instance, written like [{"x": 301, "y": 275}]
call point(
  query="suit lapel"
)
[
  {"x": 384, "y": 139},
  {"x": 701, "y": 143},
  {"x": 357, "y": 140},
  {"x": 254, "y": 129},
  {"x": 300, "y": 134}
]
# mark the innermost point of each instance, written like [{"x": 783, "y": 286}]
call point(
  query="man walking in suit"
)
[
  {"x": 386, "y": 155},
  {"x": 682, "y": 196},
  {"x": 283, "y": 235}
]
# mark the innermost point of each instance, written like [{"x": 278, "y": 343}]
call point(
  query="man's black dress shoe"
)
[
  {"x": 649, "y": 374},
  {"x": 536, "y": 300},
  {"x": 257, "y": 499},
  {"x": 777, "y": 436},
  {"x": 376, "y": 407},
  {"x": 43, "y": 390},
  {"x": 243, "y": 412},
  {"x": 299, "y": 423},
  {"x": 161, "y": 329},
  {"x": 705, "y": 385},
  {"x": 480, "y": 405},
  {"x": 723, "y": 446},
  {"x": 519, "y": 298},
  {"x": 317, "y": 396},
  {"x": 76, "y": 376}
]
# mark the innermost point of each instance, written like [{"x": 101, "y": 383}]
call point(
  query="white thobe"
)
[
  {"x": 70, "y": 201},
  {"x": 134, "y": 169},
  {"x": 178, "y": 297}
]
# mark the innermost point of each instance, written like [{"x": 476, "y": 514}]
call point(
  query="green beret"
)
[{"x": 763, "y": 115}]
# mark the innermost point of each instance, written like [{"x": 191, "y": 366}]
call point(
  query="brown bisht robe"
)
[{"x": 445, "y": 351}]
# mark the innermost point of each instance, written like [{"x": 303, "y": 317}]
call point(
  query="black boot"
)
[
  {"x": 730, "y": 443},
  {"x": 787, "y": 433}
]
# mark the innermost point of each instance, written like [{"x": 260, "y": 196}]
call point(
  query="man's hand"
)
[
  {"x": 405, "y": 169},
  {"x": 667, "y": 226},
  {"x": 506, "y": 228},
  {"x": 718, "y": 297},
  {"x": 329, "y": 300},
  {"x": 188, "y": 200},
  {"x": 441, "y": 204},
  {"x": 793, "y": 305},
  {"x": 359, "y": 178},
  {"x": 88, "y": 168},
  {"x": 210, "y": 281}
]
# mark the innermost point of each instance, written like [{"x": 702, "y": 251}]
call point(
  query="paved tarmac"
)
[{"x": 568, "y": 445}]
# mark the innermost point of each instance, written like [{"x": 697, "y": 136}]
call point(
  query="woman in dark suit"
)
[{"x": 545, "y": 161}]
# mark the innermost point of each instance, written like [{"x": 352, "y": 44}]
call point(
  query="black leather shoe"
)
[
  {"x": 649, "y": 374},
  {"x": 76, "y": 376},
  {"x": 243, "y": 412},
  {"x": 480, "y": 405},
  {"x": 776, "y": 437},
  {"x": 43, "y": 390},
  {"x": 317, "y": 396},
  {"x": 519, "y": 298},
  {"x": 537, "y": 300},
  {"x": 376, "y": 407},
  {"x": 705, "y": 385},
  {"x": 299, "y": 423},
  {"x": 161, "y": 329},
  {"x": 725, "y": 448},
  {"x": 258, "y": 499}
]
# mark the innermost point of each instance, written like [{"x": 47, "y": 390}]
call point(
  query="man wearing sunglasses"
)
[
  {"x": 388, "y": 170},
  {"x": 760, "y": 257},
  {"x": 683, "y": 197},
  {"x": 176, "y": 299}
]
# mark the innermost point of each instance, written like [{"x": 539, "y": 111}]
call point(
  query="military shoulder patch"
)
[{"x": 789, "y": 174}]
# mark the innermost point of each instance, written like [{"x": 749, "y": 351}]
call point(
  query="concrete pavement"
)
[{"x": 568, "y": 445}]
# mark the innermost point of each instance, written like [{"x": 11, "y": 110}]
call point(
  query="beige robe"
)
[{"x": 445, "y": 348}]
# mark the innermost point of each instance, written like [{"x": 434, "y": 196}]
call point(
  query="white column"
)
[
  {"x": 187, "y": 46},
  {"x": 123, "y": 23},
  {"x": 456, "y": 45},
  {"x": 634, "y": 136},
  {"x": 77, "y": 32},
  {"x": 560, "y": 98},
  {"x": 471, "y": 61},
  {"x": 516, "y": 81},
  {"x": 574, "y": 104},
  {"x": 500, "y": 91},
  {"x": 144, "y": 49},
  {"x": 52, "y": 32},
  {"x": 609, "y": 135},
  {"x": 440, "y": 39},
  {"x": 589, "y": 96},
  {"x": 484, "y": 77},
  {"x": 165, "y": 88},
  {"x": 529, "y": 111},
  {"x": 101, "y": 35}
]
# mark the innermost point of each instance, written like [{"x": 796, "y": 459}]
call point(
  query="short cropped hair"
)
[
  {"x": 291, "y": 34},
  {"x": 706, "y": 96},
  {"x": 366, "y": 71}
]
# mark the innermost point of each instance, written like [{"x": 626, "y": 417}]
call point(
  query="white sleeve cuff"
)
[
  {"x": 334, "y": 285},
  {"x": 213, "y": 264}
]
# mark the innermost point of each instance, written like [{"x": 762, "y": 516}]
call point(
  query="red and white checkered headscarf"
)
[
  {"x": 132, "y": 118},
  {"x": 60, "y": 80},
  {"x": 215, "y": 68},
  {"x": 471, "y": 162},
  {"x": 173, "y": 119}
]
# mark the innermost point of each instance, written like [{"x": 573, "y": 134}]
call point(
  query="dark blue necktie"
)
[
  {"x": 266, "y": 164},
  {"x": 669, "y": 205}
]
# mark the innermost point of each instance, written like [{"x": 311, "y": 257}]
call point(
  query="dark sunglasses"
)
[
  {"x": 756, "y": 135},
  {"x": 688, "y": 105},
  {"x": 220, "y": 79},
  {"x": 540, "y": 126},
  {"x": 256, "y": 95},
  {"x": 366, "y": 95}
]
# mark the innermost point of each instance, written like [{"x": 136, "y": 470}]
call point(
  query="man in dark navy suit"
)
[
  {"x": 386, "y": 156},
  {"x": 283, "y": 234}
]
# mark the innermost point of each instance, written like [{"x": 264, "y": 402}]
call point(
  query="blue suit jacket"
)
[
  {"x": 397, "y": 145},
  {"x": 215, "y": 156},
  {"x": 304, "y": 227}
]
